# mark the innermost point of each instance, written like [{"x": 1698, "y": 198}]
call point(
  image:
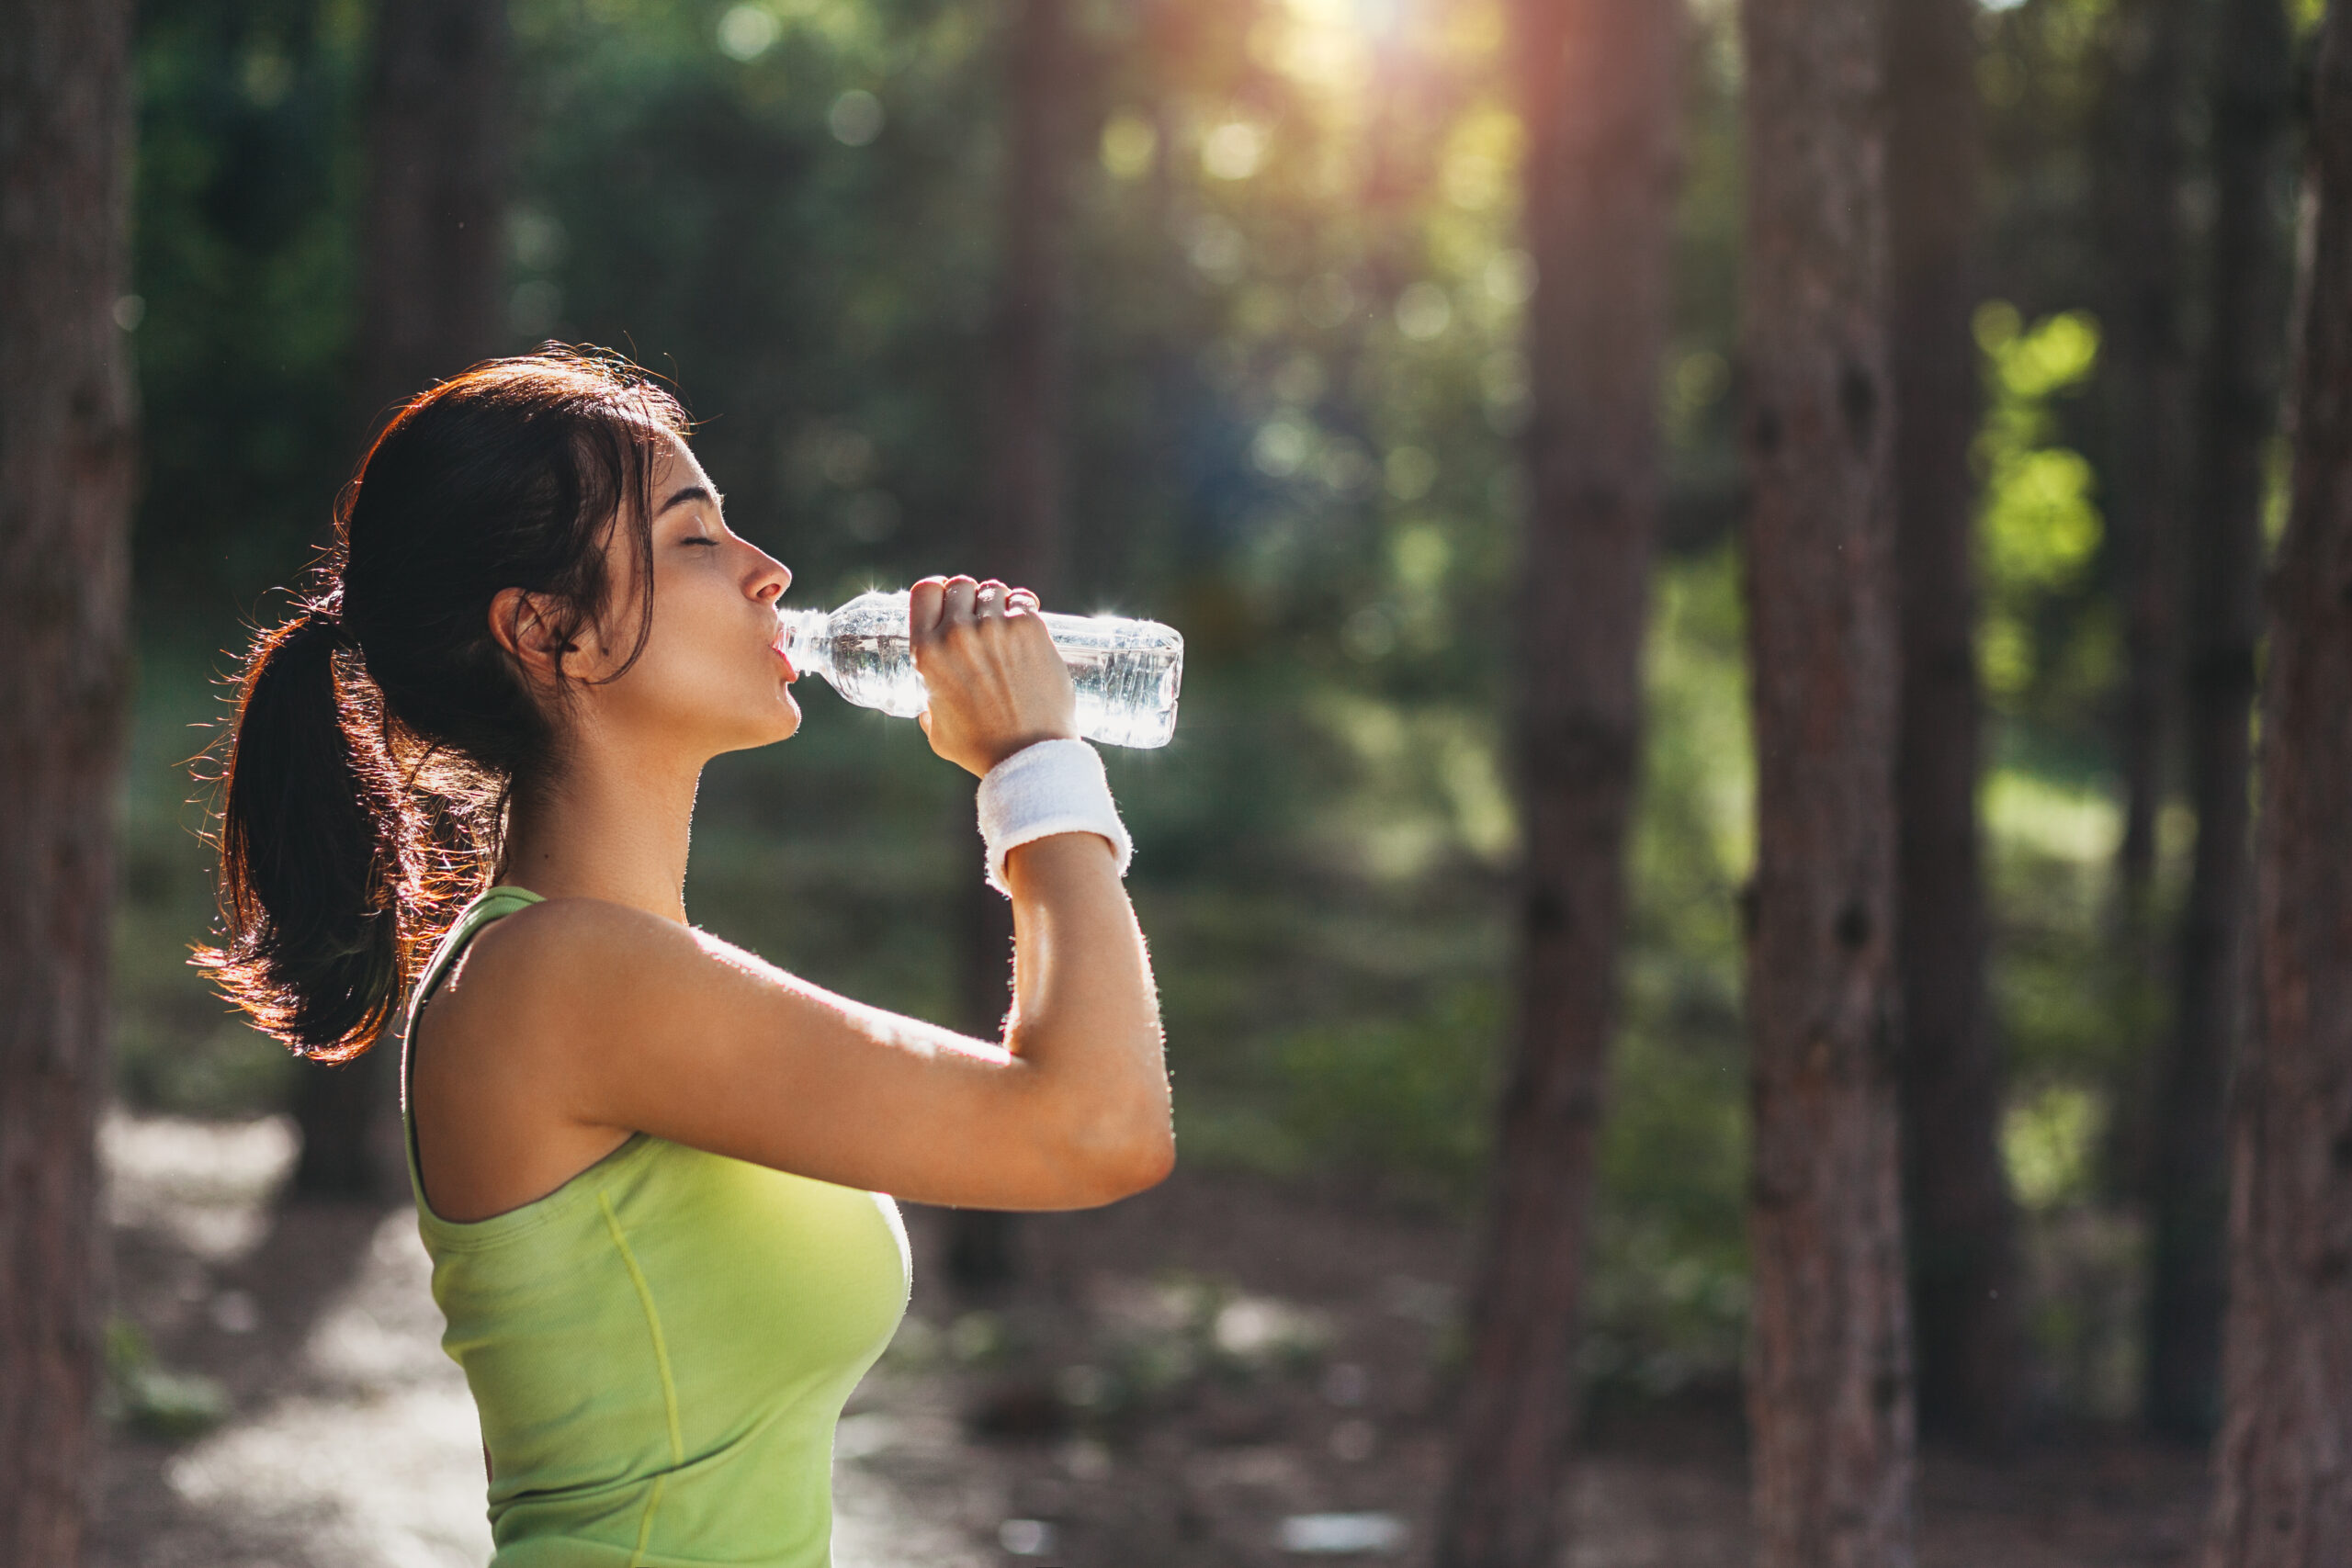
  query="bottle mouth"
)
[{"x": 799, "y": 636}]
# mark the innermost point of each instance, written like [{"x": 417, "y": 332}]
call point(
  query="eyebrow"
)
[{"x": 692, "y": 492}]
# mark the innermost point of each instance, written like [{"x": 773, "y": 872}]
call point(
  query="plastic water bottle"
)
[{"x": 1126, "y": 672}]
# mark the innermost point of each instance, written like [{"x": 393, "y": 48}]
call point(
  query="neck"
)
[{"x": 613, "y": 828}]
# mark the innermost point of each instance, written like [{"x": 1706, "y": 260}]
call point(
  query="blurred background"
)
[{"x": 1285, "y": 237}]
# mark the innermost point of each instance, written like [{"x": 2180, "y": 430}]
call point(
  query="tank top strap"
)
[{"x": 496, "y": 904}]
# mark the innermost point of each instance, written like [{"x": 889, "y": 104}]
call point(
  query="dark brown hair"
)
[{"x": 381, "y": 734}]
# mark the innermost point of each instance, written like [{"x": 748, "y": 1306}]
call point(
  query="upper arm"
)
[{"x": 636, "y": 1022}]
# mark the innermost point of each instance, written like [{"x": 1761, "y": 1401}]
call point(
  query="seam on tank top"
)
[
  {"x": 644, "y": 1526},
  {"x": 660, "y": 1365}
]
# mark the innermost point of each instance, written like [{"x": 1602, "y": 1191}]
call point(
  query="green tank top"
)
[{"x": 659, "y": 1348}]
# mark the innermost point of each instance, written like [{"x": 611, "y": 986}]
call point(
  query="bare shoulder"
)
[{"x": 543, "y": 969}]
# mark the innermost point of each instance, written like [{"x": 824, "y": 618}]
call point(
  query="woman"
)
[{"x": 648, "y": 1165}]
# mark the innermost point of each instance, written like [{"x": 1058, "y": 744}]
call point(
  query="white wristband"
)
[{"x": 1055, "y": 786}]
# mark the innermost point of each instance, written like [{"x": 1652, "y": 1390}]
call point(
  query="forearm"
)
[{"x": 1085, "y": 1018}]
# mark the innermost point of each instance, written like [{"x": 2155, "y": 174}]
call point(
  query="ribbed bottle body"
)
[{"x": 1128, "y": 672}]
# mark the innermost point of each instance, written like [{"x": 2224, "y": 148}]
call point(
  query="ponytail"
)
[
  {"x": 381, "y": 734},
  {"x": 310, "y": 848}
]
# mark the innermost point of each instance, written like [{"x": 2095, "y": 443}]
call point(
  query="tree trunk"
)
[
  {"x": 66, "y": 459},
  {"x": 2146, "y": 374},
  {"x": 1600, "y": 95},
  {"x": 1021, "y": 535},
  {"x": 429, "y": 295},
  {"x": 1829, "y": 1379},
  {"x": 2283, "y": 1491},
  {"x": 2237, "y": 401},
  {"x": 1962, "y": 1225}
]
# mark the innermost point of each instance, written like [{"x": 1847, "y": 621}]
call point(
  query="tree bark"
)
[
  {"x": 429, "y": 295},
  {"x": 1600, "y": 95},
  {"x": 2147, "y": 376},
  {"x": 2283, "y": 1466},
  {"x": 1021, "y": 534},
  {"x": 1961, "y": 1222},
  {"x": 1829, "y": 1379},
  {"x": 66, "y": 460},
  {"x": 2236, "y": 406}
]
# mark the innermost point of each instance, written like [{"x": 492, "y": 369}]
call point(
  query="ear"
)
[{"x": 522, "y": 625}]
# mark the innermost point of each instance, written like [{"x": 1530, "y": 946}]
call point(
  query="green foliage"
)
[
  {"x": 2048, "y": 1143},
  {"x": 2039, "y": 529},
  {"x": 1297, "y": 391},
  {"x": 244, "y": 265},
  {"x": 1668, "y": 1304},
  {"x": 1407, "y": 1098}
]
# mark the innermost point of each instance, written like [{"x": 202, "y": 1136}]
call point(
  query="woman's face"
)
[{"x": 710, "y": 678}]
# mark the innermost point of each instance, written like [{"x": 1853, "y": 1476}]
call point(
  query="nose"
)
[{"x": 771, "y": 579}]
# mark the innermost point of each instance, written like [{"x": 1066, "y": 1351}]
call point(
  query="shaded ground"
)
[{"x": 1173, "y": 1379}]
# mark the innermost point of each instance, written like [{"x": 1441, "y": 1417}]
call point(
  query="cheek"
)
[{"x": 700, "y": 654}]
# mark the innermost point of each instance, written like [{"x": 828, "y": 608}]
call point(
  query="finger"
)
[
  {"x": 957, "y": 600},
  {"x": 923, "y": 604},
  {"x": 1033, "y": 627}
]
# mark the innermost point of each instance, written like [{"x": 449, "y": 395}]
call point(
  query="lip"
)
[{"x": 776, "y": 648}]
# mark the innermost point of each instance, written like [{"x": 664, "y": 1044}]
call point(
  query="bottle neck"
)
[{"x": 801, "y": 635}]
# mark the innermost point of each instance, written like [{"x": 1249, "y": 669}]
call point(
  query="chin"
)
[
  {"x": 782, "y": 725},
  {"x": 748, "y": 732}
]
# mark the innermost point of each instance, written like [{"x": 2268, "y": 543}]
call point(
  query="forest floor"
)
[{"x": 1179, "y": 1380}]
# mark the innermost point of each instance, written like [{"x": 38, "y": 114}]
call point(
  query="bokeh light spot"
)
[
  {"x": 1510, "y": 278},
  {"x": 1234, "y": 150},
  {"x": 1280, "y": 449},
  {"x": 538, "y": 238},
  {"x": 1412, "y": 471},
  {"x": 1423, "y": 312},
  {"x": 1129, "y": 145},
  {"x": 746, "y": 33},
  {"x": 855, "y": 118}
]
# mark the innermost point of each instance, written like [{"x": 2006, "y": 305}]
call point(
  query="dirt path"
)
[{"x": 1174, "y": 1379}]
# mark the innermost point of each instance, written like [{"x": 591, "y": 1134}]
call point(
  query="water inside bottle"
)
[{"x": 1126, "y": 672}]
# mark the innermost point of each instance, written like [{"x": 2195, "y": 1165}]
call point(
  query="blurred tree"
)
[
  {"x": 1961, "y": 1220},
  {"x": 2140, "y": 178},
  {"x": 2141, "y": 172},
  {"x": 2237, "y": 398},
  {"x": 1599, "y": 85},
  {"x": 2283, "y": 1492},
  {"x": 1021, "y": 535},
  {"x": 1829, "y": 1383},
  {"x": 431, "y": 267},
  {"x": 66, "y": 443}
]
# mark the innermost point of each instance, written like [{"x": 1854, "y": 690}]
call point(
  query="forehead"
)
[{"x": 675, "y": 468}]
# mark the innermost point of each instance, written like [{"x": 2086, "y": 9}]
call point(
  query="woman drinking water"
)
[{"x": 649, "y": 1167}]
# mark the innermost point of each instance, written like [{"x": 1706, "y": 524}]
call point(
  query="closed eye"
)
[{"x": 700, "y": 539}]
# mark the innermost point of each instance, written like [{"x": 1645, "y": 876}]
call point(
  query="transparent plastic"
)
[{"x": 1126, "y": 672}]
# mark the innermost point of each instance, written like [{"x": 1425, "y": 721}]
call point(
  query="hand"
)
[{"x": 996, "y": 680}]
